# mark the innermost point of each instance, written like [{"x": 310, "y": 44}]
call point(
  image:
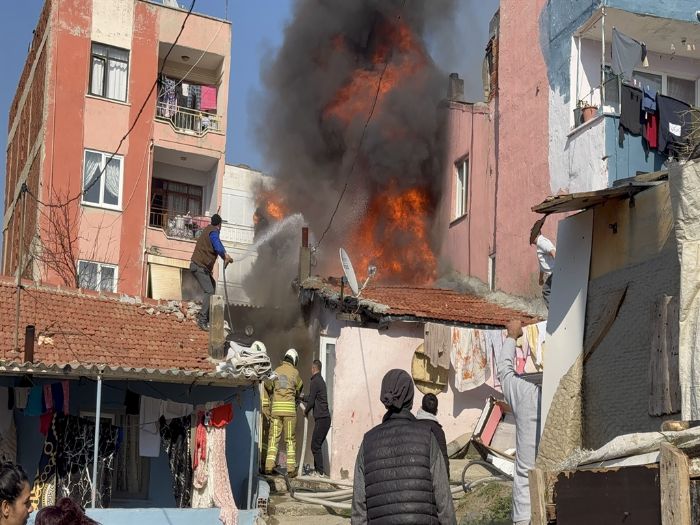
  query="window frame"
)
[
  {"x": 103, "y": 164},
  {"x": 105, "y": 75},
  {"x": 99, "y": 265},
  {"x": 461, "y": 188},
  {"x": 164, "y": 191}
]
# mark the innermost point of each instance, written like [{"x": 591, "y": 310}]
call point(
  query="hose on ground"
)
[{"x": 497, "y": 475}]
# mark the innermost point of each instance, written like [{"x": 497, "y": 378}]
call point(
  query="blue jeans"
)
[{"x": 206, "y": 282}]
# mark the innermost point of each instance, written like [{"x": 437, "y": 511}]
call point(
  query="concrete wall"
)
[
  {"x": 363, "y": 356},
  {"x": 470, "y": 238},
  {"x": 82, "y": 398},
  {"x": 642, "y": 254},
  {"x": 523, "y": 132}
]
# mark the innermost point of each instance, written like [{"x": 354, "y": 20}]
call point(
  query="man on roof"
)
[{"x": 206, "y": 250}]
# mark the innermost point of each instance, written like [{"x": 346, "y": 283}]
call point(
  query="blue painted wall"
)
[
  {"x": 161, "y": 516},
  {"x": 82, "y": 397},
  {"x": 676, "y": 9},
  {"x": 627, "y": 160}
]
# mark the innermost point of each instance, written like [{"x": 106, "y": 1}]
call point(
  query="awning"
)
[{"x": 571, "y": 202}]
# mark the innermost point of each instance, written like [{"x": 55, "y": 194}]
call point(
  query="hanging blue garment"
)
[
  {"x": 35, "y": 403},
  {"x": 649, "y": 100}
]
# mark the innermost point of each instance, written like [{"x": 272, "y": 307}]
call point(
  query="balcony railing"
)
[
  {"x": 185, "y": 120},
  {"x": 177, "y": 226}
]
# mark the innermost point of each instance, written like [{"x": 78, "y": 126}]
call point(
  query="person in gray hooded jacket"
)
[{"x": 427, "y": 415}]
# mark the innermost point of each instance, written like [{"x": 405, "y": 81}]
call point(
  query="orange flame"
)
[
  {"x": 397, "y": 53},
  {"x": 273, "y": 205},
  {"x": 393, "y": 237}
]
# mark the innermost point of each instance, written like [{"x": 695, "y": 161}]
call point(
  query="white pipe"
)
[
  {"x": 98, "y": 407},
  {"x": 602, "y": 61}
]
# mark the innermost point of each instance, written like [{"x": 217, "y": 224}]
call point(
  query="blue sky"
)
[{"x": 258, "y": 28}]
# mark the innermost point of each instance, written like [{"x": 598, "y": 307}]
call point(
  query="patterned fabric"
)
[
  {"x": 65, "y": 466},
  {"x": 468, "y": 357},
  {"x": 223, "y": 497},
  {"x": 175, "y": 438}
]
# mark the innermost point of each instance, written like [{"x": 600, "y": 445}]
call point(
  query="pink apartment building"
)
[{"x": 96, "y": 81}]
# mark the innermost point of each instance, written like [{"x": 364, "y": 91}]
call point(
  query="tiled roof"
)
[
  {"x": 429, "y": 304},
  {"x": 85, "y": 331}
]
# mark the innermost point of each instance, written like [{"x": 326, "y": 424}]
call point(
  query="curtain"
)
[
  {"x": 116, "y": 80},
  {"x": 98, "y": 72},
  {"x": 91, "y": 170},
  {"x": 112, "y": 181}
]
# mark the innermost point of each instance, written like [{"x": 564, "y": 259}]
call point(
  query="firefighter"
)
[
  {"x": 265, "y": 427},
  {"x": 284, "y": 394}
]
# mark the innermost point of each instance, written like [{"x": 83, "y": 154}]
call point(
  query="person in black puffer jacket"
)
[
  {"x": 400, "y": 476},
  {"x": 427, "y": 415}
]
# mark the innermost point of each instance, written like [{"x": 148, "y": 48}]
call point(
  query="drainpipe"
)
[
  {"x": 602, "y": 60},
  {"x": 98, "y": 406},
  {"x": 144, "y": 266},
  {"x": 253, "y": 441}
]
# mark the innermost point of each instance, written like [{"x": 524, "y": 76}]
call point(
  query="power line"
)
[
  {"x": 359, "y": 144},
  {"x": 131, "y": 128}
]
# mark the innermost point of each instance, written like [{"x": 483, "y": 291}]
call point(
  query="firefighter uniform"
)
[
  {"x": 265, "y": 427},
  {"x": 284, "y": 392}
]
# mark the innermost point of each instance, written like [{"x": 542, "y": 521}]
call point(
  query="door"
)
[{"x": 327, "y": 358}]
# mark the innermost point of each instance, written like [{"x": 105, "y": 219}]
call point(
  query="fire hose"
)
[{"x": 340, "y": 498}]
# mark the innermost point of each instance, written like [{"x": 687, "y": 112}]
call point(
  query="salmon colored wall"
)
[
  {"x": 469, "y": 239},
  {"x": 523, "y": 143}
]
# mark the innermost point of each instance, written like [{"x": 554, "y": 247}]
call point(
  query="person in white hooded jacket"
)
[{"x": 427, "y": 415}]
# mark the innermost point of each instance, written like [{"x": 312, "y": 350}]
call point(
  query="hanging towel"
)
[
  {"x": 630, "y": 112},
  {"x": 21, "y": 397},
  {"x": 131, "y": 403},
  {"x": 468, "y": 357},
  {"x": 45, "y": 422},
  {"x": 200, "y": 443},
  {"x": 6, "y": 414},
  {"x": 437, "y": 344},
  {"x": 626, "y": 54},
  {"x": 35, "y": 401},
  {"x": 674, "y": 123},
  {"x": 494, "y": 343},
  {"x": 222, "y": 415},
  {"x": 48, "y": 398},
  {"x": 65, "y": 385},
  {"x": 58, "y": 403},
  {"x": 149, "y": 437},
  {"x": 223, "y": 497},
  {"x": 173, "y": 409},
  {"x": 196, "y": 94},
  {"x": 208, "y": 98},
  {"x": 651, "y": 130}
]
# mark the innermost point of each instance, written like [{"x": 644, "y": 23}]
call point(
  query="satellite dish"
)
[{"x": 349, "y": 271}]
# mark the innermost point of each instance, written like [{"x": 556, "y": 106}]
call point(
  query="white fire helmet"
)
[
  {"x": 258, "y": 346},
  {"x": 292, "y": 356}
]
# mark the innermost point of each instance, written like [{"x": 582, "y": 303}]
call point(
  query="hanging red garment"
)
[
  {"x": 200, "y": 443},
  {"x": 651, "y": 130},
  {"x": 222, "y": 415},
  {"x": 45, "y": 423}
]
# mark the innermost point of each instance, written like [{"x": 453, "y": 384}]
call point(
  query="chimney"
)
[
  {"x": 455, "y": 89},
  {"x": 304, "y": 256},
  {"x": 29, "y": 332}
]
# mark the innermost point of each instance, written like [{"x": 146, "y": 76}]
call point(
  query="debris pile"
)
[
  {"x": 182, "y": 310},
  {"x": 252, "y": 362}
]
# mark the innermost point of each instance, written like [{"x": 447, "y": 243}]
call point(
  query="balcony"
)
[{"x": 186, "y": 120}]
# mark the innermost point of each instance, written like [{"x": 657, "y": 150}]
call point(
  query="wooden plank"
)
[
  {"x": 583, "y": 200},
  {"x": 538, "y": 497},
  {"x": 664, "y": 385},
  {"x": 620, "y": 495},
  {"x": 675, "y": 486},
  {"x": 695, "y": 501},
  {"x": 217, "y": 336}
]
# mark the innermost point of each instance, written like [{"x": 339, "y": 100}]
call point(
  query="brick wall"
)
[
  {"x": 616, "y": 378},
  {"x": 25, "y": 124}
]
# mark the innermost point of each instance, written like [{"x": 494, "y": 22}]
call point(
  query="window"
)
[
  {"x": 109, "y": 72},
  {"x": 461, "y": 187},
  {"x": 97, "y": 276},
  {"x": 170, "y": 199},
  {"x": 102, "y": 179},
  {"x": 680, "y": 88}
]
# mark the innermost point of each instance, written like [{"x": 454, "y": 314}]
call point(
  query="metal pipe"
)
[
  {"x": 23, "y": 192},
  {"x": 29, "y": 332},
  {"x": 95, "y": 457},
  {"x": 253, "y": 440},
  {"x": 602, "y": 60}
]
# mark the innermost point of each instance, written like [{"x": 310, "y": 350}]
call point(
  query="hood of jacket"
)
[{"x": 422, "y": 414}]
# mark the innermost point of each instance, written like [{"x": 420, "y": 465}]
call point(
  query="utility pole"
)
[{"x": 23, "y": 194}]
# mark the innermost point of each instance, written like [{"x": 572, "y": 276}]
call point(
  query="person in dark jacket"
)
[
  {"x": 427, "y": 415},
  {"x": 400, "y": 476},
  {"x": 206, "y": 250},
  {"x": 317, "y": 401}
]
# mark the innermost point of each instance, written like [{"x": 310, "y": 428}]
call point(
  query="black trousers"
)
[{"x": 321, "y": 428}]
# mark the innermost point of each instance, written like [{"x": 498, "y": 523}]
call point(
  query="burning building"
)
[{"x": 351, "y": 120}]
